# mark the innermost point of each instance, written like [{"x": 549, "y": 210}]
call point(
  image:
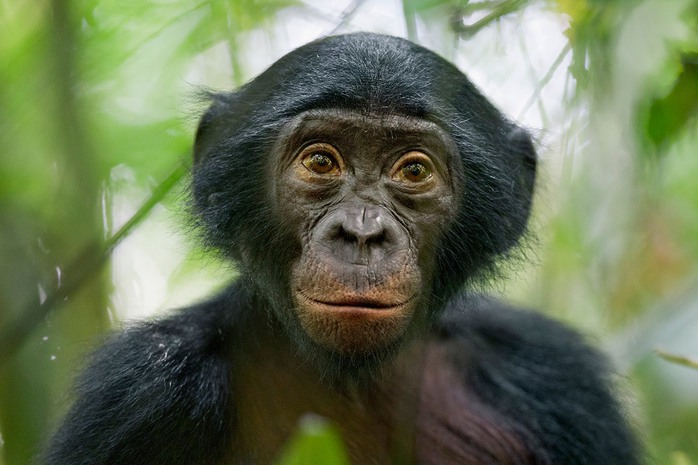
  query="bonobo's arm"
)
[
  {"x": 553, "y": 392},
  {"x": 156, "y": 394}
]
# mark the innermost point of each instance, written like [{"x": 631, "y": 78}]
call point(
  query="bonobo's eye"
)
[
  {"x": 412, "y": 168},
  {"x": 415, "y": 172},
  {"x": 321, "y": 158}
]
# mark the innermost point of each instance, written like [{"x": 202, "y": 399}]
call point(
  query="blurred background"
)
[{"x": 97, "y": 113}]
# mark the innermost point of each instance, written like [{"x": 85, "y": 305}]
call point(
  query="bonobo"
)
[{"x": 359, "y": 185}]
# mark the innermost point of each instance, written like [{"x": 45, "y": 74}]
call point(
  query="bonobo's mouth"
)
[
  {"x": 355, "y": 309},
  {"x": 355, "y": 322},
  {"x": 354, "y": 304}
]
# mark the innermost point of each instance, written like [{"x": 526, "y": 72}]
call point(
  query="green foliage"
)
[
  {"x": 94, "y": 88},
  {"x": 315, "y": 442},
  {"x": 88, "y": 87},
  {"x": 679, "y": 458},
  {"x": 671, "y": 114}
]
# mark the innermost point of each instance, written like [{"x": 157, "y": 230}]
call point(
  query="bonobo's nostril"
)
[
  {"x": 363, "y": 226},
  {"x": 359, "y": 234}
]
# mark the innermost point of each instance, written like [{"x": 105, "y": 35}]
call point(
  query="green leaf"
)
[
  {"x": 316, "y": 442},
  {"x": 678, "y": 359},
  {"x": 669, "y": 115}
]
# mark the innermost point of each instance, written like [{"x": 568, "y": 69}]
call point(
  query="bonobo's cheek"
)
[{"x": 356, "y": 308}]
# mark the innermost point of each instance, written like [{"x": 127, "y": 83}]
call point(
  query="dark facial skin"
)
[{"x": 367, "y": 198}]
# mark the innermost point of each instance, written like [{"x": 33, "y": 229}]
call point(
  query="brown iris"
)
[
  {"x": 415, "y": 172},
  {"x": 413, "y": 167},
  {"x": 321, "y": 158}
]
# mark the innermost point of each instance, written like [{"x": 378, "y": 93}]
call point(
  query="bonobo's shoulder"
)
[
  {"x": 557, "y": 390},
  {"x": 484, "y": 320},
  {"x": 152, "y": 385}
]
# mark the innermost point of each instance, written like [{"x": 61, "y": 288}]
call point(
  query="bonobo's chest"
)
[
  {"x": 373, "y": 418},
  {"x": 417, "y": 411}
]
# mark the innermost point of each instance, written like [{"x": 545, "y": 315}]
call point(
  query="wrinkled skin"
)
[{"x": 367, "y": 212}]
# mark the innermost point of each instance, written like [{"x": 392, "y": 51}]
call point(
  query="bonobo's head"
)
[{"x": 358, "y": 183}]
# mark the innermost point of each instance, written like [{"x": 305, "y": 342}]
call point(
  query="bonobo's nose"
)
[
  {"x": 359, "y": 233},
  {"x": 362, "y": 225}
]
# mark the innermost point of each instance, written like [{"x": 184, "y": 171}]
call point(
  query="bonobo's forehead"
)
[
  {"x": 367, "y": 128},
  {"x": 385, "y": 122}
]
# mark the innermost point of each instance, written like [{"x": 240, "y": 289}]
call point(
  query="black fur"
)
[
  {"x": 369, "y": 73},
  {"x": 159, "y": 393},
  {"x": 543, "y": 376},
  {"x": 529, "y": 390}
]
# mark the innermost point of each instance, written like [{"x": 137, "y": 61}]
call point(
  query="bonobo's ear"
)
[
  {"x": 525, "y": 161},
  {"x": 212, "y": 124},
  {"x": 499, "y": 169},
  {"x": 228, "y": 177},
  {"x": 204, "y": 132},
  {"x": 512, "y": 186}
]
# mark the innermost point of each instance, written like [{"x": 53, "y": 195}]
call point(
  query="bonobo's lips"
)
[
  {"x": 355, "y": 322},
  {"x": 355, "y": 306}
]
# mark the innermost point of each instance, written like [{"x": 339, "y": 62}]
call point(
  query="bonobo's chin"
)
[
  {"x": 343, "y": 369},
  {"x": 348, "y": 341}
]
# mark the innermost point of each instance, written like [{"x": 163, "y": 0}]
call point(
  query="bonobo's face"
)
[{"x": 367, "y": 198}]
